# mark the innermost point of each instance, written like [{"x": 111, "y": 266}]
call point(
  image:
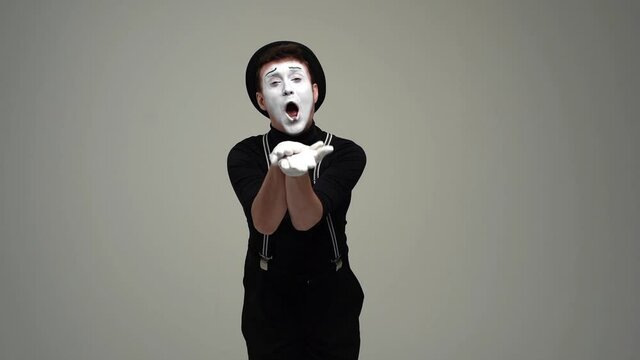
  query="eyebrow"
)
[
  {"x": 267, "y": 74},
  {"x": 295, "y": 67}
]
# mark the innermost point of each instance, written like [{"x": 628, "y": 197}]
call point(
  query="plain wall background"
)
[{"x": 498, "y": 217}]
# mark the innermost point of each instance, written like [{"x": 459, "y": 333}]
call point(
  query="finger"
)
[
  {"x": 298, "y": 162},
  {"x": 324, "y": 151},
  {"x": 317, "y": 145},
  {"x": 275, "y": 156},
  {"x": 298, "y": 149},
  {"x": 280, "y": 148},
  {"x": 294, "y": 162},
  {"x": 284, "y": 164}
]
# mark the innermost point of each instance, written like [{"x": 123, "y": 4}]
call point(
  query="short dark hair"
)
[{"x": 281, "y": 52}]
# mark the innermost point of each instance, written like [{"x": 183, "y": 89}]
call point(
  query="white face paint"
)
[{"x": 288, "y": 95}]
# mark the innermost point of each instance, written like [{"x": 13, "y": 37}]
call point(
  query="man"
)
[{"x": 301, "y": 301}]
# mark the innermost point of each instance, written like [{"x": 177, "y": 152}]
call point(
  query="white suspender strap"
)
[
  {"x": 316, "y": 171},
  {"x": 264, "y": 254},
  {"x": 332, "y": 232}
]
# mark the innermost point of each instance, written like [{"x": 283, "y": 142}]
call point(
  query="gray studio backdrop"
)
[{"x": 498, "y": 216}]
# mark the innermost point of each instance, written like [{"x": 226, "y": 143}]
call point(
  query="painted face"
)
[{"x": 288, "y": 95}]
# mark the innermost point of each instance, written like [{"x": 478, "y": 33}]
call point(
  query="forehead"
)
[{"x": 283, "y": 65}]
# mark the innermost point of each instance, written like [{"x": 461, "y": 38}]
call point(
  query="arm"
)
[
  {"x": 304, "y": 206},
  {"x": 269, "y": 206},
  {"x": 340, "y": 176}
]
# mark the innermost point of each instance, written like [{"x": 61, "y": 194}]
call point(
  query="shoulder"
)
[
  {"x": 250, "y": 147},
  {"x": 344, "y": 145},
  {"x": 347, "y": 154},
  {"x": 249, "y": 143}
]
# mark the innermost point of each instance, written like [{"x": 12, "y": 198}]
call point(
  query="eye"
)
[
  {"x": 296, "y": 79},
  {"x": 274, "y": 83}
]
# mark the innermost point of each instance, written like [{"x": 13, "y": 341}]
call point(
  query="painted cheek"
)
[
  {"x": 306, "y": 97},
  {"x": 271, "y": 98}
]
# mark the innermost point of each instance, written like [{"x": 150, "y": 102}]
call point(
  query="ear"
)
[
  {"x": 261, "y": 103},
  {"x": 315, "y": 92}
]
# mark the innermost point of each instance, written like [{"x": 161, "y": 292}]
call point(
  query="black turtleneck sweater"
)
[{"x": 299, "y": 252}]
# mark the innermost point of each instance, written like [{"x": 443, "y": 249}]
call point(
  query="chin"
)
[{"x": 295, "y": 129}]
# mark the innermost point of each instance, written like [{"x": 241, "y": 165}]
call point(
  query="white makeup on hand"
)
[{"x": 288, "y": 95}]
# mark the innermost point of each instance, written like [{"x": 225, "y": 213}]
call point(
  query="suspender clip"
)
[
  {"x": 338, "y": 263},
  {"x": 264, "y": 262}
]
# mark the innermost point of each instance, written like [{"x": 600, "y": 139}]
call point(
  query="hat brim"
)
[{"x": 314, "y": 67}]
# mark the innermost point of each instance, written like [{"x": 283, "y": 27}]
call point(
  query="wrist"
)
[{"x": 275, "y": 171}]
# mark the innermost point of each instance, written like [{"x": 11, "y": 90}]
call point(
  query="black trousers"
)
[{"x": 286, "y": 317}]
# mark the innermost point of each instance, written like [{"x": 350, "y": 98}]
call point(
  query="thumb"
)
[{"x": 273, "y": 158}]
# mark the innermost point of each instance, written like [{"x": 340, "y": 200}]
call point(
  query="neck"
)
[{"x": 307, "y": 136}]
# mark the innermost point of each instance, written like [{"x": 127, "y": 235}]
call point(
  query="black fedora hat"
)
[{"x": 314, "y": 67}]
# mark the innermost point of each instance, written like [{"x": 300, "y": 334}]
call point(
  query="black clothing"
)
[
  {"x": 299, "y": 252},
  {"x": 290, "y": 318},
  {"x": 303, "y": 306}
]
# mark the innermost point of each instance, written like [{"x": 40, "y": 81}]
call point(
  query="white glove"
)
[
  {"x": 300, "y": 163},
  {"x": 286, "y": 148}
]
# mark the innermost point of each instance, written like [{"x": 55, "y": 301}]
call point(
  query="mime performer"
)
[{"x": 301, "y": 300}]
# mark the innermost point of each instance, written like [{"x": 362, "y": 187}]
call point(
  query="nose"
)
[{"x": 286, "y": 88}]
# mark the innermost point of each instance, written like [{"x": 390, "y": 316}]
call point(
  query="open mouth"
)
[{"x": 292, "y": 110}]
